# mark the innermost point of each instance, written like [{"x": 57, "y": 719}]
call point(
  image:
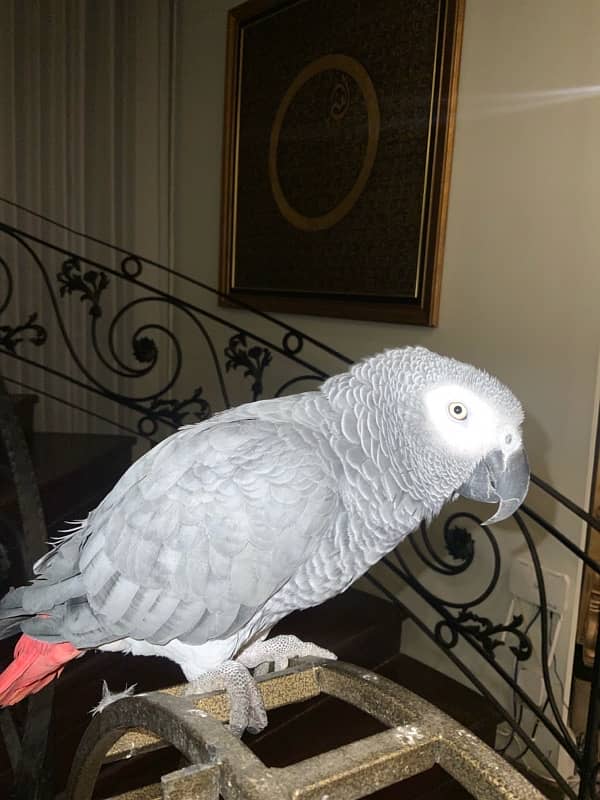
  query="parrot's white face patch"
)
[{"x": 465, "y": 422}]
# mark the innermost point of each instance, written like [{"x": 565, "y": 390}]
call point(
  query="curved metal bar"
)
[
  {"x": 431, "y": 564},
  {"x": 484, "y": 594},
  {"x": 567, "y": 743},
  {"x": 412, "y": 716},
  {"x": 436, "y": 562},
  {"x": 444, "y": 566},
  {"x": 131, "y": 373},
  {"x": 481, "y": 628},
  {"x": 212, "y": 349},
  {"x": 91, "y": 286},
  {"x": 10, "y": 287},
  {"x": 176, "y": 304},
  {"x": 123, "y": 370},
  {"x": 199, "y": 738},
  {"x": 590, "y": 519},
  {"x": 553, "y": 530},
  {"x": 539, "y": 576}
]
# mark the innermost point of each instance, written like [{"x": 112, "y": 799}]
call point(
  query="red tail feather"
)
[{"x": 35, "y": 665}]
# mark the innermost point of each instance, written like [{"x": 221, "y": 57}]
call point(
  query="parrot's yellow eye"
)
[{"x": 457, "y": 411}]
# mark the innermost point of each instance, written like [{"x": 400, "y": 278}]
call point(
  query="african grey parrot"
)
[{"x": 230, "y": 524}]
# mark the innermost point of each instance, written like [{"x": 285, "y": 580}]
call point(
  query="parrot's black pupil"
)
[{"x": 457, "y": 409}]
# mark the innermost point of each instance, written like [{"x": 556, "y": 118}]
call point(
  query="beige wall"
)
[{"x": 522, "y": 266}]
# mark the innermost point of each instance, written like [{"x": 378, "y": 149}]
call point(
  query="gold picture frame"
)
[{"x": 338, "y": 134}]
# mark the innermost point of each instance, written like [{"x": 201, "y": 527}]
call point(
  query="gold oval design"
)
[{"x": 353, "y": 68}]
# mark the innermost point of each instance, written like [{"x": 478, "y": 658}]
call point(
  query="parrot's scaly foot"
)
[
  {"x": 279, "y": 650},
  {"x": 247, "y": 710}
]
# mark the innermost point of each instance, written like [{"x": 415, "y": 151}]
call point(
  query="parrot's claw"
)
[
  {"x": 278, "y": 651},
  {"x": 247, "y": 710}
]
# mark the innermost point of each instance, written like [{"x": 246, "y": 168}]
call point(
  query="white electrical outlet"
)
[{"x": 523, "y": 584}]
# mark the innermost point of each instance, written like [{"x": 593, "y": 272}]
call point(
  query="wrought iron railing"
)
[
  {"x": 148, "y": 386},
  {"x": 115, "y": 288},
  {"x": 460, "y": 622}
]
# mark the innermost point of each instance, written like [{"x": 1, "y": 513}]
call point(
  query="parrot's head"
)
[
  {"x": 451, "y": 429},
  {"x": 474, "y": 419}
]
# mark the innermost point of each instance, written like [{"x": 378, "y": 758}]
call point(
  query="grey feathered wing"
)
[{"x": 193, "y": 540}]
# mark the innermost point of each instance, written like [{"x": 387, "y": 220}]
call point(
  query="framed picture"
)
[{"x": 339, "y": 119}]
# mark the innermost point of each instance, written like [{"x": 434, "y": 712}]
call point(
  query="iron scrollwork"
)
[
  {"x": 11, "y": 336},
  {"x": 461, "y": 617},
  {"x": 145, "y": 350},
  {"x": 174, "y": 412},
  {"x": 485, "y": 632},
  {"x": 459, "y": 621},
  {"x": 147, "y": 380},
  {"x": 459, "y": 543},
  {"x": 253, "y": 360},
  {"x": 89, "y": 284}
]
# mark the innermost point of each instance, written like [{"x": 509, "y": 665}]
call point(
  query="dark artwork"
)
[{"x": 334, "y": 157}]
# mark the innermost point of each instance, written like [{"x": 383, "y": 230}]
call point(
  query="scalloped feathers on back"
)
[{"x": 230, "y": 524}]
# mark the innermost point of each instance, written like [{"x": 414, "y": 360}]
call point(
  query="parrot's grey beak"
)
[{"x": 502, "y": 479}]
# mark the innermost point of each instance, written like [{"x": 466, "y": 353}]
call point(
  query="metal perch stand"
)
[{"x": 419, "y": 736}]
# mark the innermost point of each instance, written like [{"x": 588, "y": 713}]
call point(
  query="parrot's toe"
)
[
  {"x": 278, "y": 651},
  {"x": 247, "y": 710}
]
